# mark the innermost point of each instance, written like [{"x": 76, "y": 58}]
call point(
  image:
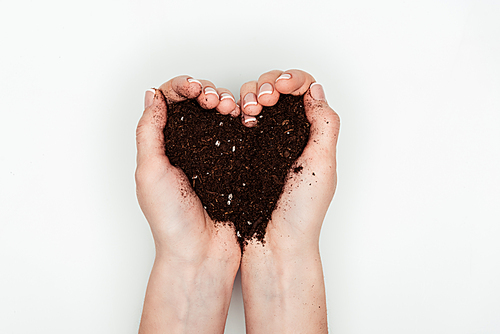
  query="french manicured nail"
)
[
  {"x": 149, "y": 98},
  {"x": 249, "y": 100},
  {"x": 191, "y": 80},
  {"x": 225, "y": 96},
  {"x": 266, "y": 88},
  {"x": 248, "y": 119},
  {"x": 210, "y": 90},
  {"x": 284, "y": 76},
  {"x": 317, "y": 92}
]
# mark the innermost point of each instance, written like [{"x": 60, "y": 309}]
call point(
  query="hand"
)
[
  {"x": 306, "y": 196},
  {"x": 282, "y": 280},
  {"x": 204, "y": 257}
]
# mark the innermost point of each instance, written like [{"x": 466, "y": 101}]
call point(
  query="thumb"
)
[
  {"x": 325, "y": 123},
  {"x": 313, "y": 177},
  {"x": 149, "y": 133}
]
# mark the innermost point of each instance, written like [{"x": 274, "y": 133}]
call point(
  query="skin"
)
[
  {"x": 191, "y": 281},
  {"x": 282, "y": 282}
]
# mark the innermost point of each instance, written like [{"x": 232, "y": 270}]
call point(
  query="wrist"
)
[
  {"x": 283, "y": 291},
  {"x": 187, "y": 297},
  {"x": 282, "y": 247},
  {"x": 280, "y": 260},
  {"x": 194, "y": 272}
]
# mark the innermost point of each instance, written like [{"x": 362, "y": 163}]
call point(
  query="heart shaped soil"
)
[{"x": 237, "y": 172}]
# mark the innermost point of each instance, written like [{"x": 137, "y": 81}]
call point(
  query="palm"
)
[
  {"x": 175, "y": 214},
  {"x": 307, "y": 194},
  {"x": 179, "y": 224}
]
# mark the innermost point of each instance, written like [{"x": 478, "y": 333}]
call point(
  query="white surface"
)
[{"x": 411, "y": 241}]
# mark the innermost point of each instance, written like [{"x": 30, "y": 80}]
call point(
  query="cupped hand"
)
[
  {"x": 180, "y": 226},
  {"x": 282, "y": 279},
  {"x": 299, "y": 213}
]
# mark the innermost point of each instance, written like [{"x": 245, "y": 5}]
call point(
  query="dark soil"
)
[{"x": 237, "y": 172}]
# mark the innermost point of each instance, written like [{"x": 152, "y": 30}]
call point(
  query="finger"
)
[
  {"x": 248, "y": 95},
  {"x": 294, "y": 82},
  {"x": 227, "y": 104},
  {"x": 268, "y": 96},
  {"x": 248, "y": 121},
  {"x": 149, "y": 97},
  {"x": 180, "y": 89},
  {"x": 237, "y": 111},
  {"x": 208, "y": 98},
  {"x": 325, "y": 124},
  {"x": 149, "y": 133}
]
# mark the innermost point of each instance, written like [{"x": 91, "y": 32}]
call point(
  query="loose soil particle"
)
[{"x": 237, "y": 172}]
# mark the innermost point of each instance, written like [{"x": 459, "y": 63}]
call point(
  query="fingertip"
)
[
  {"x": 149, "y": 131},
  {"x": 318, "y": 112},
  {"x": 191, "y": 80},
  {"x": 236, "y": 111},
  {"x": 285, "y": 83},
  {"x": 251, "y": 106},
  {"x": 194, "y": 88},
  {"x": 227, "y": 96},
  {"x": 317, "y": 92},
  {"x": 179, "y": 89},
  {"x": 249, "y": 100},
  {"x": 186, "y": 87},
  {"x": 294, "y": 82},
  {"x": 248, "y": 120},
  {"x": 209, "y": 98},
  {"x": 268, "y": 96},
  {"x": 265, "y": 89},
  {"x": 315, "y": 98},
  {"x": 227, "y": 103},
  {"x": 149, "y": 98},
  {"x": 211, "y": 90},
  {"x": 284, "y": 76}
]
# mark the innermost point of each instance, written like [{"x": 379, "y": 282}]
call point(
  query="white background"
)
[{"x": 411, "y": 243}]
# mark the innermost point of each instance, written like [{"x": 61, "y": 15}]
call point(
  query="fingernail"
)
[
  {"x": 191, "y": 80},
  {"x": 266, "y": 88},
  {"x": 249, "y": 100},
  {"x": 225, "y": 96},
  {"x": 248, "y": 119},
  {"x": 317, "y": 92},
  {"x": 210, "y": 90},
  {"x": 285, "y": 76},
  {"x": 149, "y": 98}
]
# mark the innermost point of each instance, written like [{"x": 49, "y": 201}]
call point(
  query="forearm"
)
[
  {"x": 283, "y": 293},
  {"x": 185, "y": 299}
]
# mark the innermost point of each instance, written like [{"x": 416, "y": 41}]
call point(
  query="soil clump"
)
[{"x": 237, "y": 172}]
